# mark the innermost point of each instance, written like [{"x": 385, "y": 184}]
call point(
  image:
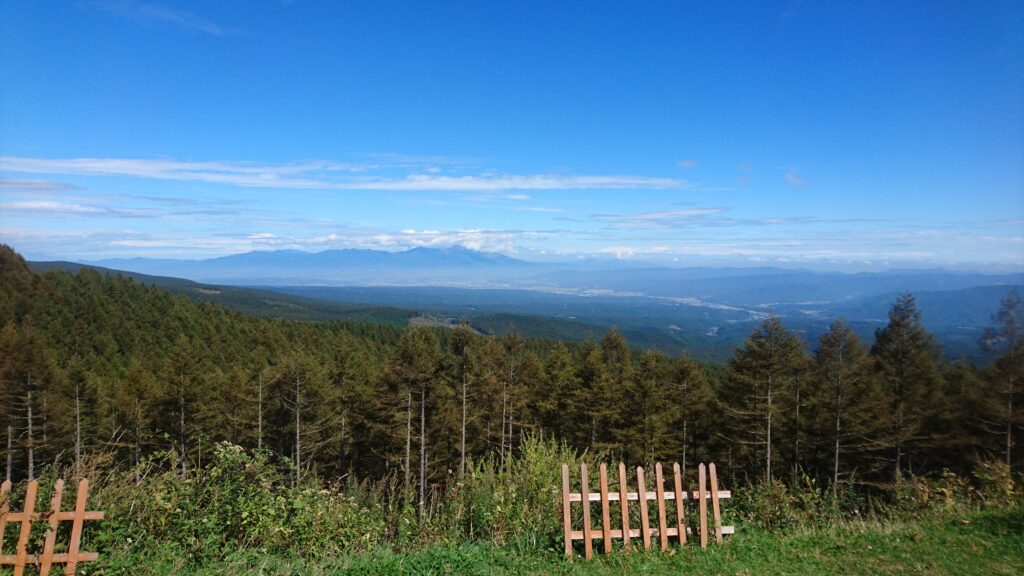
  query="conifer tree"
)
[
  {"x": 693, "y": 400},
  {"x": 844, "y": 399},
  {"x": 1005, "y": 339},
  {"x": 754, "y": 393},
  {"x": 904, "y": 360}
]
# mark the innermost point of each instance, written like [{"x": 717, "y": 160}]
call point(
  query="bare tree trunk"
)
[
  {"x": 181, "y": 416},
  {"x": 31, "y": 447},
  {"x": 796, "y": 434},
  {"x": 501, "y": 441},
  {"x": 686, "y": 385},
  {"x": 181, "y": 413},
  {"x": 511, "y": 406},
  {"x": 423, "y": 446},
  {"x": 10, "y": 451},
  {"x": 768, "y": 460},
  {"x": 838, "y": 430},
  {"x": 408, "y": 435},
  {"x": 298, "y": 430},
  {"x": 462, "y": 449},
  {"x": 45, "y": 422},
  {"x": 78, "y": 432},
  {"x": 1009, "y": 421},
  {"x": 259, "y": 412},
  {"x": 341, "y": 448},
  {"x": 138, "y": 451}
]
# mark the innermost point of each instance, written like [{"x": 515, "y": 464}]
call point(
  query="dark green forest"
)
[{"x": 95, "y": 364}]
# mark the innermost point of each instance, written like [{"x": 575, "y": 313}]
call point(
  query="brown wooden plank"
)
[
  {"x": 606, "y": 519},
  {"x": 703, "y": 500},
  {"x": 5, "y": 495},
  {"x": 645, "y": 521},
  {"x": 659, "y": 488},
  {"x": 714, "y": 503},
  {"x": 58, "y": 558},
  {"x": 76, "y": 528},
  {"x": 566, "y": 512},
  {"x": 588, "y": 542},
  {"x": 680, "y": 504},
  {"x": 573, "y": 497},
  {"x": 66, "y": 515},
  {"x": 21, "y": 549},
  {"x": 624, "y": 505},
  {"x": 51, "y": 533}
]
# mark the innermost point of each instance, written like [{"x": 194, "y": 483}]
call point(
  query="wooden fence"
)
[
  {"x": 663, "y": 531},
  {"x": 45, "y": 560}
]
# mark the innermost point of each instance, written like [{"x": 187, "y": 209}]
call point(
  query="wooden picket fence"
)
[
  {"x": 45, "y": 560},
  {"x": 663, "y": 531}
]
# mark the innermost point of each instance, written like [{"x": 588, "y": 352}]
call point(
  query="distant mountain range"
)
[
  {"x": 706, "y": 310},
  {"x": 448, "y": 266}
]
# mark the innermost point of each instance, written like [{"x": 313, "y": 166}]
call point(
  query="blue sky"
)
[{"x": 845, "y": 135}]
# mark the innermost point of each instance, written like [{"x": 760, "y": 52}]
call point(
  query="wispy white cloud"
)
[
  {"x": 49, "y": 207},
  {"x": 794, "y": 178},
  {"x": 149, "y": 14},
  {"x": 32, "y": 185},
  {"x": 687, "y": 164},
  {"x": 324, "y": 175},
  {"x": 660, "y": 219}
]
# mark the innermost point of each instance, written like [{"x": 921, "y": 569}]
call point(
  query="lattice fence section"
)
[
  {"x": 664, "y": 531},
  {"x": 45, "y": 560}
]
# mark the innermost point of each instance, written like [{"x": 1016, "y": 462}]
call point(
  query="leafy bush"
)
[{"x": 240, "y": 501}]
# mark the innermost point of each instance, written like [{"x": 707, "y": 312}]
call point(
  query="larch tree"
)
[
  {"x": 753, "y": 394},
  {"x": 1005, "y": 339},
  {"x": 844, "y": 399},
  {"x": 904, "y": 360}
]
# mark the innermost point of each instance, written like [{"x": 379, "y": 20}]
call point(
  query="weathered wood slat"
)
[
  {"x": 714, "y": 503},
  {"x": 624, "y": 506},
  {"x": 645, "y": 520},
  {"x": 51, "y": 533},
  {"x": 566, "y": 511},
  {"x": 5, "y": 492},
  {"x": 702, "y": 487},
  {"x": 634, "y": 533},
  {"x": 64, "y": 516},
  {"x": 615, "y": 497},
  {"x": 680, "y": 503},
  {"x": 606, "y": 520},
  {"x": 588, "y": 542},
  {"x": 58, "y": 558},
  {"x": 26, "y": 529},
  {"x": 76, "y": 528},
  {"x": 659, "y": 489}
]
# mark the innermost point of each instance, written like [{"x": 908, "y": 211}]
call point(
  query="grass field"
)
[{"x": 990, "y": 542}]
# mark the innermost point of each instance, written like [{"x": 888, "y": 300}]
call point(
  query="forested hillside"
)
[{"x": 94, "y": 364}]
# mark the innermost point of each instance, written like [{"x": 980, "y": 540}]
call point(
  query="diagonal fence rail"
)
[
  {"x": 45, "y": 560},
  {"x": 663, "y": 531}
]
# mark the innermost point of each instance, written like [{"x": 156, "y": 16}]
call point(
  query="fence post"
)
[
  {"x": 645, "y": 521},
  {"x": 51, "y": 533},
  {"x": 566, "y": 512},
  {"x": 606, "y": 520},
  {"x": 26, "y": 528},
  {"x": 588, "y": 543},
  {"x": 714, "y": 503},
  {"x": 703, "y": 506},
  {"x": 5, "y": 506},
  {"x": 624, "y": 504},
  {"x": 660, "y": 490},
  {"x": 680, "y": 505},
  {"x": 76, "y": 527}
]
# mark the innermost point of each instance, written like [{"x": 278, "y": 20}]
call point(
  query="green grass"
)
[{"x": 990, "y": 542}]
